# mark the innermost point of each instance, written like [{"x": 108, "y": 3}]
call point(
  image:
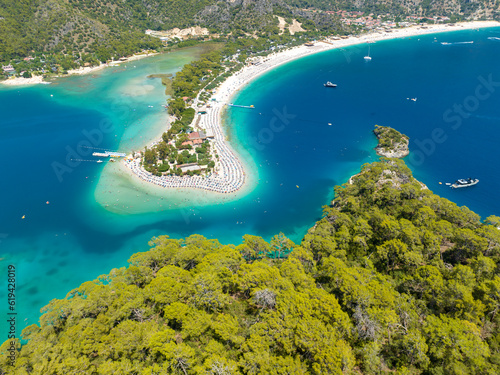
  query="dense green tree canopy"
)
[
  {"x": 393, "y": 279},
  {"x": 85, "y": 30}
]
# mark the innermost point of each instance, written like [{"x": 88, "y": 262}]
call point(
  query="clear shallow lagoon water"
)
[{"x": 298, "y": 154}]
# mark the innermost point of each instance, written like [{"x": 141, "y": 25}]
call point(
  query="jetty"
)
[
  {"x": 241, "y": 106},
  {"x": 109, "y": 154}
]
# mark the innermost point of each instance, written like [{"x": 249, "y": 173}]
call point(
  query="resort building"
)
[
  {"x": 192, "y": 143},
  {"x": 9, "y": 69},
  {"x": 197, "y": 135}
]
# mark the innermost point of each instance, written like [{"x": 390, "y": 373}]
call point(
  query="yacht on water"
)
[
  {"x": 367, "y": 57},
  {"x": 465, "y": 183},
  {"x": 329, "y": 84}
]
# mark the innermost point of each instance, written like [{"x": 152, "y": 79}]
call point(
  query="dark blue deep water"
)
[
  {"x": 303, "y": 138},
  {"x": 453, "y": 125}
]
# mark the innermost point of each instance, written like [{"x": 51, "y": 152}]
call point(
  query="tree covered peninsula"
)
[{"x": 393, "y": 279}]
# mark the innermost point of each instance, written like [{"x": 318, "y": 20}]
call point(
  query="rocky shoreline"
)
[{"x": 391, "y": 143}]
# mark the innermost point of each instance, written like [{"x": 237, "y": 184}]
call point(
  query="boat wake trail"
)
[
  {"x": 493, "y": 38},
  {"x": 484, "y": 117},
  {"x": 456, "y": 43}
]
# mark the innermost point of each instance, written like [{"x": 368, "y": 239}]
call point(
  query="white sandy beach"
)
[
  {"x": 92, "y": 69},
  {"x": 235, "y": 175},
  {"x": 249, "y": 73},
  {"x": 85, "y": 70},
  {"x": 120, "y": 191},
  {"x": 230, "y": 171},
  {"x": 34, "y": 80},
  {"x": 139, "y": 56},
  {"x": 20, "y": 81}
]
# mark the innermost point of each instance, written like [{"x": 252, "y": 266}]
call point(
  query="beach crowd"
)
[{"x": 228, "y": 175}]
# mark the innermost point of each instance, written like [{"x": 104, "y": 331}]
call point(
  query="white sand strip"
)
[
  {"x": 20, "y": 81},
  {"x": 229, "y": 172}
]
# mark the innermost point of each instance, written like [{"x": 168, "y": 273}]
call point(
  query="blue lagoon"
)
[{"x": 68, "y": 235}]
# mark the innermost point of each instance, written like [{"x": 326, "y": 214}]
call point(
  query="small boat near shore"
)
[
  {"x": 241, "y": 106},
  {"x": 367, "y": 57},
  {"x": 464, "y": 183},
  {"x": 329, "y": 84}
]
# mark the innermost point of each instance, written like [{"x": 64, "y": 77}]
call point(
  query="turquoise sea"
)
[{"x": 303, "y": 139}]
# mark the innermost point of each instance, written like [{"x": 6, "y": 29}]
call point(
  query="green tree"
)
[{"x": 455, "y": 346}]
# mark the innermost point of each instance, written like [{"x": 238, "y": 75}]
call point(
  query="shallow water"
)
[{"x": 303, "y": 139}]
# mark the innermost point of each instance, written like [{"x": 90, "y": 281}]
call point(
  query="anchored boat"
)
[
  {"x": 465, "y": 183},
  {"x": 329, "y": 84}
]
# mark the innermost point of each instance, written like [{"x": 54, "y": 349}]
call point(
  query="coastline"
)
[
  {"x": 391, "y": 143},
  {"x": 249, "y": 73},
  {"x": 116, "y": 236},
  {"x": 276, "y": 59},
  {"x": 230, "y": 171},
  {"x": 21, "y": 81},
  {"x": 146, "y": 197},
  {"x": 34, "y": 80}
]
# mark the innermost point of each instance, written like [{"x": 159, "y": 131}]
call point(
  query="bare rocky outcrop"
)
[{"x": 292, "y": 29}]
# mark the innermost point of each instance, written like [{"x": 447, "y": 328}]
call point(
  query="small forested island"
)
[
  {"x": 393, "y": 279},
  {"x": 391, "y": 143}
]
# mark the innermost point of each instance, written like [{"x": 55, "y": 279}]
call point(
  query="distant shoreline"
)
[
  {"x": 233, "y": 84},
  {"x": 36, "y": 79},
  {"x": 369, "y": 37},
  {"x": 233, "y": 171},
  {"x": 274, "y": 60}
]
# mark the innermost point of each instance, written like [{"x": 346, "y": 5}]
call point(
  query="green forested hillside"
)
[
  {"x": 75, "y": 27},
  {"x": 55, "y": 28},
  {"x": 393, "y": 279},
  {"x": 399, "y": 7},
  {"x": 143, "y": 14}
]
